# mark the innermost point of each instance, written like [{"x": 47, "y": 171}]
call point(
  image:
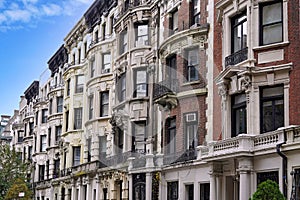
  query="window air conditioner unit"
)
[
  {"x": 105, "y": 70},
  {"x": 191, "y": 117}
]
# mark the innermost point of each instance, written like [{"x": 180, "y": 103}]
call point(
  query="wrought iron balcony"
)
[
  {"x": 237, "y": 57},
  {"x": 169, "y": 86}
]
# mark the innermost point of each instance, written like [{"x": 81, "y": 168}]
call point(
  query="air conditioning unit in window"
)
[{"x": 190, "y": 117}]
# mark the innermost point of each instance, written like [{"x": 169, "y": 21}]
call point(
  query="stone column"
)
[
  {"x": 130, "y": 187},
  {"x": 212, "y": 186},
  {"x": 148, "y": 186},
  {"x": 245, "y": 167},
  {"x": 219, "y": 187},
  {"x": 73, "y": 195}
]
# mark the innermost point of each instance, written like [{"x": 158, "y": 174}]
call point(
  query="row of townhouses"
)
[{"x": 167, "y": 99}]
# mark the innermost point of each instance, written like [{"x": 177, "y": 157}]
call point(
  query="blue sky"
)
[{"x": 31, "y": 31}]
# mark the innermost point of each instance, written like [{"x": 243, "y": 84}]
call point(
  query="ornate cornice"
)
[{"x": 58, "y": 60}]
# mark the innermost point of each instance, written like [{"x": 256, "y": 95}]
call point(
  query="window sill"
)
[
  {"x": 270, "y": 46},
  {"x": 190, "y": 83}
]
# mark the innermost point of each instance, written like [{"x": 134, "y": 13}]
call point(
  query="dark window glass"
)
[
  {"x": 123, "y": 42},
  {"x": 171, "y": 135},
  {"x": 191, "y": 127},
  {"x": 77, "y": 118},
  {"x": 106, "y": 63},
  {"x": 43, "y": 143},
  {"x": 139, "y": 137},
  {"x": 44, "y": 115},
  {"x": 272, "y": 108},
  {"x": 68, "y": 87},
  {"x": 79, "y": 84},
  {"x": 192, "y": 65},
  {"x": 174, "y": 22},
  {"x": 271, "y": 23},
  {"x": 122, "y": 87},
  {"x": 91, "y": 106},
  {"x": 195, "y": 12},
  {"x": 76, "y": 156},
  {"x": 59, "y": 104},
  {"x": 89, "y": 149},
  {"x": 140, "y": 86},
  {"x": 102, "y": 147},
  {"x": 41, "y": 172},
  {"x": 57, "y": 133},
  {"x": 92, "y": 68},
  {"x": 204, "y": 191},
  {"x": 104, "y": 104},
  {"x": 263, "y": 176},
  {"x": 189, "y": 192},
  {"x": 239, "y": 114},
  {"x": 172, "y": 190},
  {"x": 239, "y": 32}
]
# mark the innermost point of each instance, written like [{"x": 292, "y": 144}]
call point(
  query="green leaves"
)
[
  {"x": 12, "y": 168},
  {"x": 268, "y": 190}
]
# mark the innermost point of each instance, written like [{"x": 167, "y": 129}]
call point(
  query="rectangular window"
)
[
  {"x": 96, "y": 37},
  {"x": 106, "y": 63},
  {"x": 29, "y": 153},
  {"x": 31, "y": 127},
  {"x": 172, "y": 190},
  {"x": 79, "y": 83},
  {"x": 204, "y": 191},
  {"x": 141, "y": 35},
  {"x": 271, "y": 175},
  {"x": 50, "y": 106},
  {"x": 76, "y": 156},
  {"x": 67, "y": 121},
  {"x": 119, "y": 141},
  {"x": 49, "y": 136},
  {"x": 37, "y": 118},
  {"x": 111, "y": 24},
  {"x": 89, "y": 149},
  {"x": 174, "y": 22},
  {"x": 239, "y": 32},
  {"x": 68, "y": 87},
  {"x": 59, "y": 101},
  {"x": 272, "y": 108},
  {"x": 140, "y": 88},
  {"x": 20, "y": 136},
  {"x": 189, "y": 191},
  {"x": 195, "y": 12},
  {"x": 103, "y": 31},
  {"x": 92, "y": 67},
  {"x": 56, "y": 168},
  {"x": 192, "y": 65},
  {"x": 296, "y": 184},
  {"x": 139, "y": 137},
  {"x": 91, "y": 106},
  {"x": 79, "y": 55},
  {"x": 271, "y": 22},
  {"x": 47, "y": 168},
  {"x": 104, "y": 103},
  {"x": 43, "y": 143},
  {"x": 77, "y": 118},
  {"x": 122, "y": 87},
  {"x": 105, "y": 193},
  {"x": 191, "y": 130},
  {"x": 102, "y": 147},
  {"x": 238, "y": 114},
  {"x": 123, "y": 42},
  {"x": 171, "y": 135},
  {"x": 57, "y": 133},
  {"x": 41, "y": 172},
  {"x": 44, "y": 115}
]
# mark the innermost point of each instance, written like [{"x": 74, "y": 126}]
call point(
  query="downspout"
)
[{"x": 284, "y": 164}]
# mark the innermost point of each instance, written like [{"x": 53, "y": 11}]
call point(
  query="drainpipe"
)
[{"x": 284, "y": 164}]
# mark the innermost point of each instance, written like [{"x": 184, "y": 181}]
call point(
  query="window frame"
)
[
  {"x": 76, "y": 155},
  {"x": 59, "y": 104},
  {"x": 91, "y": 106},
  {"x": 273, "y": 99},
  {"x": 106, "y": 69},
  {"x": 194, "y": 126},
  {"x": 92, "y": 68},
  {"x": 77, "y": 118},
  {"x": 44, "y": 115},
  {"x": 171, "y": 139},
  {"x": 235, "y": 107},
  {"x": 195, "y": 16},
  {"x": 136, "y": 125},
  {"x": 123, "y": 42},
  {"x": 122, "y": 88},
  {"x": 142, "y": 84},
  {"x": 172, "y": 190},
  {"x": 236, "y": 25},
  {"x": 58, "y": 131},
  {"x": 262, "y": 26},
  {"x": 141, "y": 42},
  {"x": 104, "y": 105},
  {"x": 174, "y": 22},
  {"x": 43, "y": 143},
  {"x": 190, "y": 66},
  {"x": 79, "y": 86}
]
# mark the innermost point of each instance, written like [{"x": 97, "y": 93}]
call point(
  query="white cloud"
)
[
  {"x": 15, "y": 14},
  {"x": 51, "y": 10}
]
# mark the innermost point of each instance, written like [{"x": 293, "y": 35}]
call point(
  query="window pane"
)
[
  {"x": 272, "y": 33},
  {"x": 272, "y": 13},
  {"x": 267, "y": 116},
  {"x": 273, "y": 91},
  {"x": 279, "y": 115}
]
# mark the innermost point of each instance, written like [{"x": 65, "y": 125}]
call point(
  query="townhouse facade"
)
[{"x": 177, "y": 99}]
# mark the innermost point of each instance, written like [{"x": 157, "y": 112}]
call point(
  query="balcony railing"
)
[
  {"x": 182, "y": 156},
  {"x": 237, "y": 57},
  {"x": 165, "y": 87}
]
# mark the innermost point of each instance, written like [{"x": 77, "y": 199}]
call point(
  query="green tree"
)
[
  {"x": 268, "y": 190},
  {"x": 11, "y": 168},
  {"x": 18, "y": 188}
]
